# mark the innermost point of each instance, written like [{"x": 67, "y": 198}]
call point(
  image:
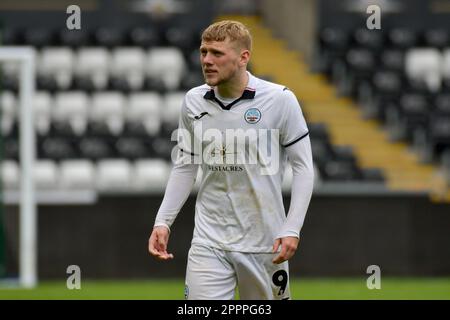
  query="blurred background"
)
[{"x": 374, "y": 88}]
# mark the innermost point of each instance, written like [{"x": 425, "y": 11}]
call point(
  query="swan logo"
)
[{"x": 252, "y": 115}]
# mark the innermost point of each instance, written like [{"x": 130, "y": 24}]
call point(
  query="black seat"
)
[
  {"x": 163, "y": 148},
  {"x": 74, "y": 38},
  {"x": 439, "y": 135},
  {"x": 442, "y": 105},
  {"x": 436, "y": 38},
  {"x": 387, "y": 88},
  {"x": 393, "y": 59},
  {"x": 39, "y": 37},
  {"x": 10, "y": 36},
  {"x": 402, "y": 38},
  {"x": 414, "y": 112},
  {"x": 95, "y": 148},
  {"x": 109, "y": 37},
  {"x": 333, "y": 44},
  {"x": 373, "y": 175},
  {"x": 339, "y": 171},
  {"x": 369, "y": 39},
  {"x": 11, "y": 148},
  {"x": 56, "y": 148},
  {"x": 144, "y": 37},
  {"x": 181, "y": 38},
  {"x": 132, "y": 148},
  {"x": 191, "y": 79}
]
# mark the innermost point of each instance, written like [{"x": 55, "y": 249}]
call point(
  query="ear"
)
[{"x": 244, "y": 57}]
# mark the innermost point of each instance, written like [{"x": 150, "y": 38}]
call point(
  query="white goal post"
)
[{"x": 25, "y": 56}]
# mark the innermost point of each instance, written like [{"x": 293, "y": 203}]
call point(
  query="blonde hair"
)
[{"x": 228, "y": 29}]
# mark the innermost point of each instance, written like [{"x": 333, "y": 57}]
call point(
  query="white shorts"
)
[{"x": 214, "y": 274}]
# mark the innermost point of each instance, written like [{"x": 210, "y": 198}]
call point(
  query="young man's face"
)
[{"x": 221, "y": 61}]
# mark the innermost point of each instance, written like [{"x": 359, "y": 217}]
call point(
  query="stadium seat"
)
[
  {"x": 94, "y": 63},
  {"x": 393, "y": 60},
  {"x": 128, "y": 63},
  {"x": 108, "y": 108},
  {"x": 150, "y": 175},
  {"x": 168, "y": 64},
  {"x": 340, "y": 171},
  {"x": 57, "y": 62},
  {"x": 424, "y": 65},
  {"x": 72, "y": 108},
  {"x": 171, "y": 113},
  {"x": 145, "y": 108},
  {"x": 77, "y": 174},
  {"x": 8, "y": 109},
  {"x": 442, "y": 105},
  {"x": 182, "y": 38},
  {"x": 402, "y": 38},
  {"x": 113, "y": 175},
  {"x": 144, "y": 37},
  {"x": 446, "y": 66},
  {"x": 10, "y": 174},
  {"x": 42, "y": 105},
  {"x": 73, "y": 38},
  {"x": 56, "y": 148},
  {"x": 109, "y": 37},
  {"x": 436, "y": 38},
  {"x": 369, "y": 39},
  {"x": 46, "y": 174},
  {"x": 95, "y": 148},
  {"x": 11, "y": 148},
  {"x": 385, "y": 89},
  {"x": 39, "y": 37},
  {"x": 333, "y": 43},
  {"x": 132, "y": 148}
]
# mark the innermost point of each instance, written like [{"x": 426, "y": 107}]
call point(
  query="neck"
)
[{"x": 235, "y": 86}]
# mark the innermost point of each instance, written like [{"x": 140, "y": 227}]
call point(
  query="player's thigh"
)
[
  {"x": 209, "y": 275},
  {"x": 259, "y": 278}
]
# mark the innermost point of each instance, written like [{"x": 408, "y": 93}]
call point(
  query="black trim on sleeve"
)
[{"x": 296, "y": 140}]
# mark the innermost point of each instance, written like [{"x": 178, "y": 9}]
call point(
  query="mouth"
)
[{"x": 208, "y": 71}]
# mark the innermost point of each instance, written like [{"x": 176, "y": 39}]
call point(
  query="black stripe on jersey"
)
[
  {"x": 296, "y": 140},
  {"x": 247, "y": 94}
]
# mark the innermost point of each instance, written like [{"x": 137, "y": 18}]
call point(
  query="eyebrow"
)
[{"x": 212, "y": 50}]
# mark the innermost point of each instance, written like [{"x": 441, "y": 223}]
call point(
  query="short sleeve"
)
[{"x": 293, "y": 127}]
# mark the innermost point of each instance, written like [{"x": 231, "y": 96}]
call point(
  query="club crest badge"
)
[{"x": 252, "y": 115}]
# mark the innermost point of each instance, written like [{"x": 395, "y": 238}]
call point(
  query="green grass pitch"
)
[{"x": 301, "y": 289}]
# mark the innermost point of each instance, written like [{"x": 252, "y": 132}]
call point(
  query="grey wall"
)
[
  {"x": 293, "y": 20},
  {"x": 405, "y": 236}
]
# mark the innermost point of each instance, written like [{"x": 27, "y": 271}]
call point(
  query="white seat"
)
[
  {"x": 425, "y": 65},
  {"x": 129, "y": 63},
  {"x": 113, "y": 175},
  {"x": 171, "y": 113},
  {"x": 42, "y": 104},
  {"x": 9, "y": 111},
  {"x": 151, "y": 175},
  {"x": 94, "y": 62},
  {"x": 10, "y": 174},
  {"x": 168, "y": 64},
  {"x": 108, "y": 107},
  {"x": 72, "y": 107},
  {"x": 77, "y": 174},
  {"x": 446, "y": 64},
  {"x": 145, "y": 108},
  {"x": 10, "y": 68},
  {"x": 45, "y": 174},
  {"x": 58, "y": 62}
]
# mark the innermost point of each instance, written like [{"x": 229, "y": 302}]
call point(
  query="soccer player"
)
[{"x": 240, "y": 130}]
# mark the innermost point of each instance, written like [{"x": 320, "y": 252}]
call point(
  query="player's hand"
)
[
  {"x": 157, "y": 244},
  {"x": 288, "y": 247}
]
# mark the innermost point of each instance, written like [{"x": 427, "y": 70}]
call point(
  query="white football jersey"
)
[{"x": 240, "y": 147}]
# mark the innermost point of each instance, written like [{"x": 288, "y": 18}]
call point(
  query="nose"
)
[{"x": 206, "y": 59}]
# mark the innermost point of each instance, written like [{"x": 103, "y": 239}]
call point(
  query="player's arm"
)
[
  {"x": 300, "y": 158},
  {"x": 296, "y": 143},
  {"x": 179, "y": 186}
]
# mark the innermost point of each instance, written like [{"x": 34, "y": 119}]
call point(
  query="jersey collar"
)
[{"x": 248, "y": 94}]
